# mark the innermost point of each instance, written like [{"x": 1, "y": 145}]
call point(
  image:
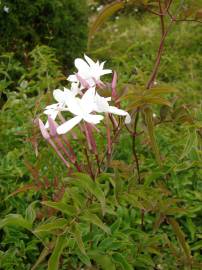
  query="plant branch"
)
[
  {"x": 134, "y": 147},
  {"x": 161, "y": 18},
  {"x": 158, "y": 58}
]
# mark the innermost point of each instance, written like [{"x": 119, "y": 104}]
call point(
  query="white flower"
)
[
  {"x": 75, "y": 89},
  {"x": 88, "y": 71},
  {"x": 53, "y": 109},
  {"x": 102, "y": 105},
  {"x": 82, "y": 109}
]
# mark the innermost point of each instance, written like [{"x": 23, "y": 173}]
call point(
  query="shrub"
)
[{"x": 59, "y": 24}]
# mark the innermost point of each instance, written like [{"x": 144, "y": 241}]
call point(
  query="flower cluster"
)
[{"x": 82, "y": 100}]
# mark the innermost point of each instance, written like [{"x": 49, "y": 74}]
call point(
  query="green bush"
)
[{"x": 58, "y": 23}]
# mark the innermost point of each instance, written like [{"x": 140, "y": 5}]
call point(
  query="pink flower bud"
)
[
  {"x": 52, "y": 127},
  {"x": 83, "y": 82},
  {"x": 44, "y": 131}
]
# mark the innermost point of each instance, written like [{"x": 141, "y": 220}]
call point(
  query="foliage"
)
[
  {"x": 59, "y": 24},
  {"x": 122, "y": 219}
]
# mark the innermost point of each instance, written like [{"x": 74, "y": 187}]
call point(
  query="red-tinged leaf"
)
[
  {"x": 23, "y": 189},
  {"x": 150, "y": 127},
  {"x": 180, "y": 237}
]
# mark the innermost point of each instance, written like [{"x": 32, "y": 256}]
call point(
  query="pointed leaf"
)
[
  {"x": 87, "y": 183},
  {"x": 121, "y": 260},
  {"x": 104, "y": 261},
  {"x": 150, "y": 126},
  {"x": 53, "y": 262},
  {"x": 181, "y": 237},
  {"x": 55, "y": 224},
  {"x": 94, "y": 219},
  {"x": 64, "y": 208},
  {"x": 30, "y": 213},
  {"x": 191, "y": 142},
  {"x": 44, "y": 253},
  {"x": 15, "y": 220},
  {"x": 78, "y": 237}
]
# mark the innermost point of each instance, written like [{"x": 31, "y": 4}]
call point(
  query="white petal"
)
[
  {"x": 87, "y": 101},
  {"x": 59, "y": 95},
  {"x": 75, "y": 88},
  {"x": 105, "y": 71},
  {"x": 64, "y": 128},
  {"x": 89, "y": 60},
  {"x": 52, "y": 106},
  {"x": 72, "y": 78},
  {"x": 128, "y": 119},
  {"x": 52, "y": 113},
  {"x": 82, "y": 66},
  {"x": 68, "y": 94},
  {"x": 73, "y": 104},
  {"x": 117, "y": 111},
  {"x": 101, "y": 104},
  {"x": 120, "y": 112},
  {"x": 93, "y": 119}
]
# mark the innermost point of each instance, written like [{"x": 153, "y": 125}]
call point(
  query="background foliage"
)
[
  {"x": 51, "y": 220},
  {"x": 59, "y": 24}
]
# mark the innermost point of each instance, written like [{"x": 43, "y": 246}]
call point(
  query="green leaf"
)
[
  {"x": 85, "y": 182},
  {"x": 162, "y": 90},
  {"x": 191, "y": 143},
  {"x": 30, "y": 213},
  {"x": 156, "y": 100},
  {"x": 55, "y": 224},
  {"x": 145, "y": 100},
  {"x": 104, "y": 261},
  {"x": 64, "y": 208},
  {"x": 53, "y": 262},
  {"x": 197, "y": 245},
  {"x": 121, "y": 260},
  {"x": 106, "y": 12},
  {"x": 78, "y": 237},
  {"x": 44, "y": 253},
  {"x": 181, "y": 237},
  {"x": 133, "y": 200},
  {"x": 94, "y": 219},
  {"x": 150, "y": 127},
  {"x": 111, "y": 243},
  {"x": 15, "y": 220}
]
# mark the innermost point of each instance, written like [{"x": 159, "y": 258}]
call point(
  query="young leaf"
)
[
  {"x": 55, "y": 224},
  {"x": 104, "y": 261},
  {"x": 121, "y": 260},
  {"x": 94, "y": 219},
  {"x": 162, "y": 90},
  {"x": 181, "y": 237},
  {"x": 191, "y": 142},
  {"x": 30, "y": 213},
  {"x": 108, "y": 11},
  {"x": 15, "y": 220},
  {"x": 64, "y": 208},
  {"x": 44, "y": 253},
  {"x": 78, "y": 237},
  {"x": 150, "y": 126},
  {"x": 87, "y": 183},
  {"x": 53, "y": 262}
]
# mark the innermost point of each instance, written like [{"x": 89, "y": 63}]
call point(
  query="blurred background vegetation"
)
[{"x": 39, "y": 40}]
